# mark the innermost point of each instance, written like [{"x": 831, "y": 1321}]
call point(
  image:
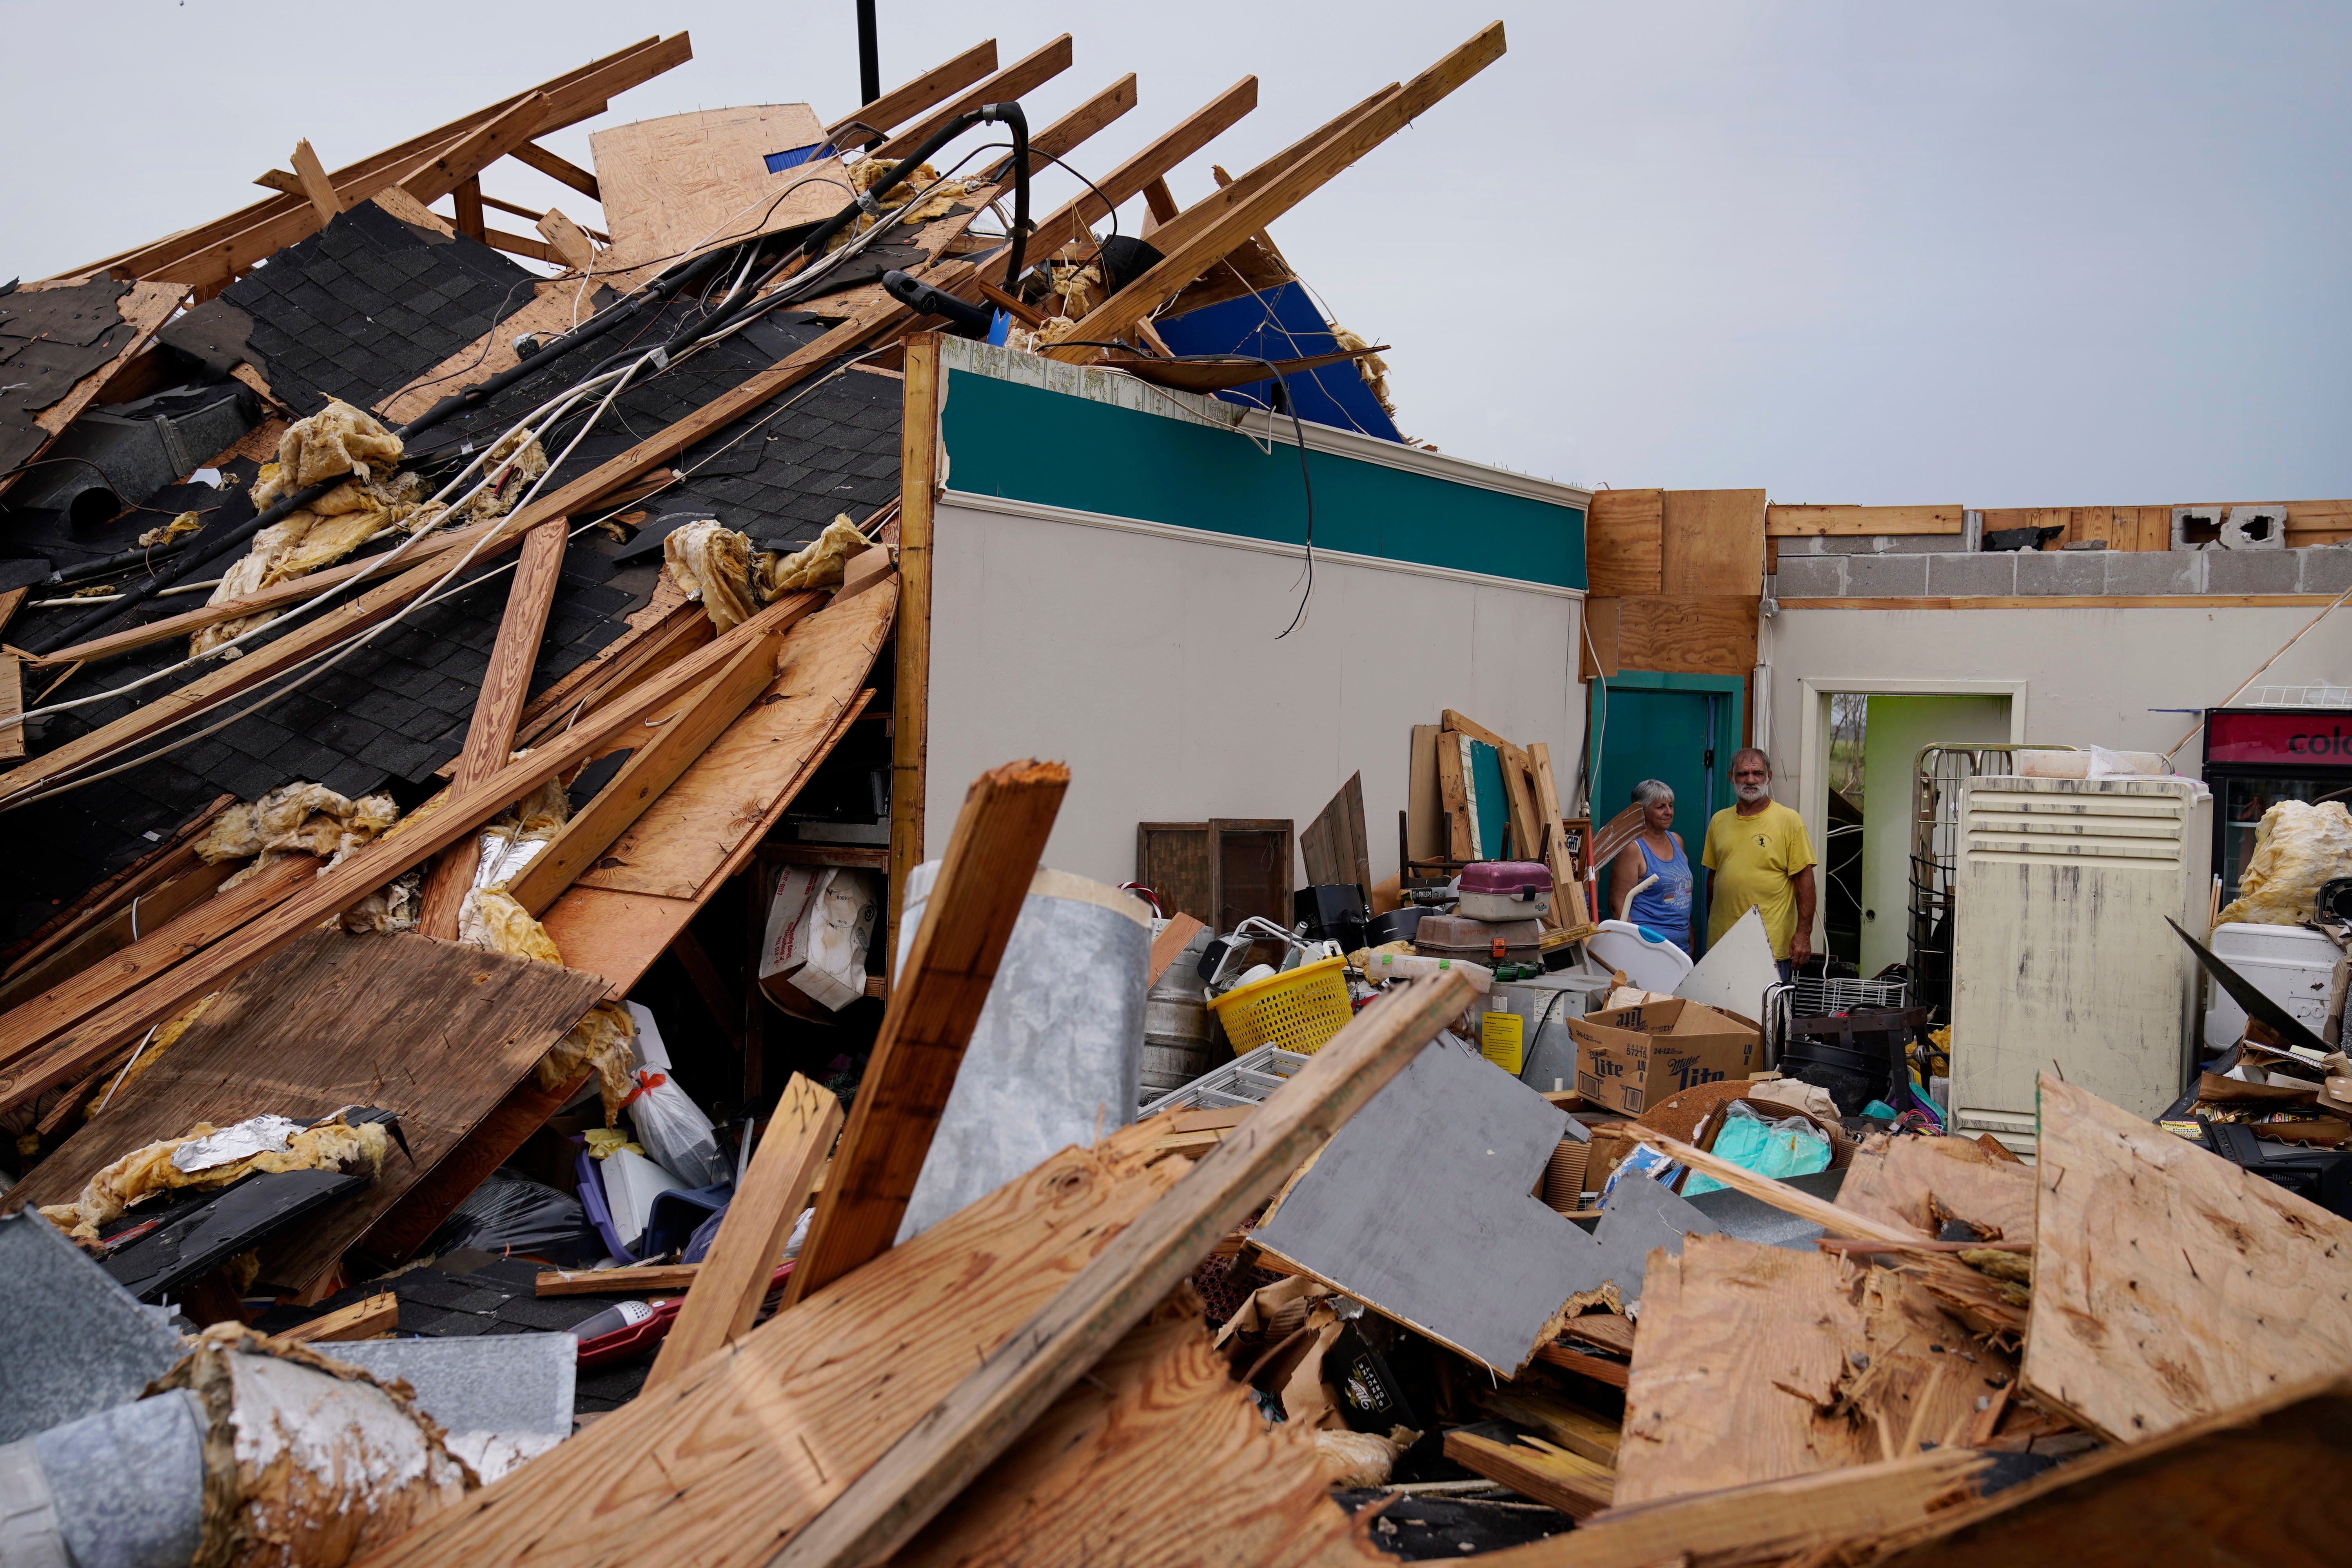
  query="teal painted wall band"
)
[{"x": 1023, "y": 443}]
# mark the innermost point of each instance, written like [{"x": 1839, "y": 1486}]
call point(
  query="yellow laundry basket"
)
[{"x": 1297, "y": 1011}]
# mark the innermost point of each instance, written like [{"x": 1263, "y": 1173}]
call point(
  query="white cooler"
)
[{"x": 2290, "y": 965}]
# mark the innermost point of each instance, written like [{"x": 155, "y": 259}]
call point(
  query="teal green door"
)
[{"x": 1678, "y": 731}]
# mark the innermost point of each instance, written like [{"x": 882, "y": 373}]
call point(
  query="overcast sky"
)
[{"x": 1998, "y": 254}]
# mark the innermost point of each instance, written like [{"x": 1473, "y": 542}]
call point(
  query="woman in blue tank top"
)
[{"x": 1665, "y": 905}]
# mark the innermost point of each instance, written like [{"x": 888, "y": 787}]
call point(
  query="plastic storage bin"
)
[{"x": 1296, "y": 1011}]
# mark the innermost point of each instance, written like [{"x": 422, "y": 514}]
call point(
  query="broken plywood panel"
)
[
  {"x": 1900, "y": 1180},
  {"x": 2167, "y": 1283},
  {"x": 678, "y": 846},
  {"x": 1157, "y": 1424},
  {"x": 674, "y": 184},
  {"x": 434, "y": 1030},
  {"x": 1428, "y": 1186},
  {"x": 730, "y": 1463},
  {"x": 1759, "y": 1362}
]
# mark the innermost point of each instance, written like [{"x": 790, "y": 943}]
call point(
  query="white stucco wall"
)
[
  {"x": 2075, "y": 677},
  {"x": 1147, "y": 659}
]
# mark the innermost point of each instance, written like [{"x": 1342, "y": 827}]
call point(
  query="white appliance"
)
[
  {"x": 2061, "y": 952},
  {"x": 2294, "y": 967}
]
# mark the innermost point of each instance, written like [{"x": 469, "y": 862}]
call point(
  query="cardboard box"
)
[{"x": 1628, "y": 1059}]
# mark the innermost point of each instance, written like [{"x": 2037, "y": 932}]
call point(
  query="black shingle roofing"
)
[
  {"x": 398, "y": 709},
  {"x": 368, "y": 304}
]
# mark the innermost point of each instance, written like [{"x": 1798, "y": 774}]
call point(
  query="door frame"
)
[{"x": 1812, "y": 787}]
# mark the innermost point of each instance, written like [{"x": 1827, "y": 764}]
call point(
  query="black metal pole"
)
[{"x": 869, "y": 57}]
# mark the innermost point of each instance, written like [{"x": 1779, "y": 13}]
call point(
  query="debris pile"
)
[{"x": 484, "y": 1025}]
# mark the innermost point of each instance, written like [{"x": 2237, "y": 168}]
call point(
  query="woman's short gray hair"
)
[{"x": 1649, "y": 792}]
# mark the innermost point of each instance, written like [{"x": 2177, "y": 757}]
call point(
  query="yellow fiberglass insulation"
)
[
  {"x": 2298, "y": 846},
  {"x": 936, "y": 202},
  {"x": 331, "y": 1145},
  {"x": 338, "y": 439},
  {"x": 507, "y": 482},
  {"x": 180, "y": 527},
  {"x": 1371, "y": 367},
  {"x": 817, "y": 564},
  {"x": 490, "y": 918},
  {"x": 305, "y": 817},
  {"x": 603, "y": 1039},
  {"x": 712, "y": 563}
]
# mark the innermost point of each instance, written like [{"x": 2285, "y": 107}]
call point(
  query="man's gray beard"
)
[{"x": 1751, "y": 792}]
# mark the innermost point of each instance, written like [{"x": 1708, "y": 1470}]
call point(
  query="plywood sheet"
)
[
  {"x": 434, "y": 1030},
  {"x": 675, "y": 184},
  {"x": 1334, "y": 844},
  {"x": 1690, "y": 635},
  {"x": 1103, "y": 1475},
  {"x": 1596, "y": 651},
  {"x": 1624, "y": 542},
  {"x": 1425, "y": 831},
  {"x": 1712, "y": 543},
  {"x": 2167, "y": 1283},
  {"x": 1758, "y": 1362},
  {"x": 1852, "y": 521},
  {"x": 677, "y": 848},
  {"x": 1430, "y": 1185}
]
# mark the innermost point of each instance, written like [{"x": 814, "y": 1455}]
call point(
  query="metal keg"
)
[{"x": 1176, "y": 1023}]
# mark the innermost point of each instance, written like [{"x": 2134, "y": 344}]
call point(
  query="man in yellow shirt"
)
[{"x": 1759, "y": 856}]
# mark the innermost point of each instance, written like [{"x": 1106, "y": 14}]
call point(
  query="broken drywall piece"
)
[
  {"x": 1429, "y": 1185},
  {"x": 1637, "y": 1217},
  {"x": 1737, "y": 970}
]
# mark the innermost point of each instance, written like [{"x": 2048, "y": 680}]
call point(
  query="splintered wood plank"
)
[
  {"x": 12, "y": 706},
  {"x": 881, "y": 1509},
  {"x": 645, "y": 1279},
  {"x": 2233, "y": 1488},
  {"x": 490, "y": 738},
  {"x": 1568, "y": 911},
  {"x": 1770, "y": 1522},
  {"x": 1157, "y": 1424},
  {"x": 1895, "y": 1180},
  {"x": 1713, "y": 543},
  {"x": 1140, "y": 175},
  {"x": 1852, "y": 521},
  {"x": 435, "y": 1031},
  {"x": 360, "y": 1320},
  {"x": 1165, "y": 947},
  {"x": 894, "y": 108},
  {"x": 1625, "y": 543},
  {"x": 1453, "y": 800},
  {"x": 2168, "y": 1284},
  {"x": 1334, "y": 844},
  {"x": 1690, "y": 634},
  {"x": 656, "y": 764},
  {"x": 1023, "y": 76},
  {"x": 726, "y": 1295},
  {"x": 730, "y": 1462},
  {"x": 1755, "y": 1364},
  {"x": 1242, "y": 209},
  {"x": 676, "y": 847},
  {"x": 911, "y": 703},
  {"x": 268, "y": 225},
  {"x": 1533, "y": 1468},
  {"x": 79, "y": 1049},
  {"x": 999, "y": 838}
]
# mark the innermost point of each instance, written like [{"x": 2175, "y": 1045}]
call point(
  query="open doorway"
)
[{"x": 1861, "y": 747}]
